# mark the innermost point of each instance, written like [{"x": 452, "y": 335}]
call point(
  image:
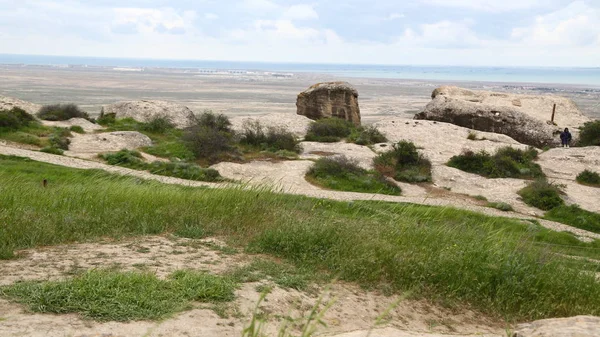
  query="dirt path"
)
[{"x": 288, "y": 177}]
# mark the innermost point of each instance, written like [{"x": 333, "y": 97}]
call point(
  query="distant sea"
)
[{"x": 550, "y": 75}]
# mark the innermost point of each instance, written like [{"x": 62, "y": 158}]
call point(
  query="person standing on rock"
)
[{"x": 565, "y": 138}]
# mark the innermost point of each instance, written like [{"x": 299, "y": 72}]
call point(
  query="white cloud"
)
[
  {"x": 211, "y": 16},
  {"x": 150, "y": 20},
  {"x": 395, "y": 16},
  {"x": 260, "y": 5},
  {"x": 488, "y": 5},
  {"x": 443, "y": 34},
  {"x": 576, "y": 25},
  {"x": 300, "y": 12}
]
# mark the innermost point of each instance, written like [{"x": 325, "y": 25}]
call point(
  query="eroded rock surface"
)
[
  {"x": 90, "y": 145},
  {"x": 7, "y": 103},
  {"x": 331, "y": 99},
  {"x": 86, "y": 125},
  {"x": 145, "y": 111},
  {"x": 580, "y": 326},
  {"x": 522, "y": 117}
]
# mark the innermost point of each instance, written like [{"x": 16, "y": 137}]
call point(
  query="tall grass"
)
[
  {"x": 507, "y": 162},
  {"x": 496, "y": 265}
]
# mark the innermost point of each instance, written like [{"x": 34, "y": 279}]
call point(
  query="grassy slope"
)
[{"x": 496, "y": 265}]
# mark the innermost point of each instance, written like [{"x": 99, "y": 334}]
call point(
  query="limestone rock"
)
[
  {"x": 331, "y": 99},
  {"x": 7, "y": 103},
  {"x": 522, "y": 117},
  {"x": 86, "y": 125},
  {"x": 90, "y": 145},
  {"x": 298, "y": 125},
  {"x": 580, "y": 326},
  {"x": 144, "y": 111}
]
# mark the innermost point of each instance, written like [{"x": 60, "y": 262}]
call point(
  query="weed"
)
[
  {"x": 52, "y": 150},
  {"x": 77, "y": 129},
  {"x": 506, "y": 163},
  {"x": 283, "y": 275},
  {"x": 61, "y": 112},
  {"x": 502, "y": 206},
  {"x": 329, "y": 130},
  {"x": 269, "y": 139},
  {"x": 575, "y": 216},
  {"x": 404, "y": 163},
  {"x": 480, "y": 198},
  {"x": 542, "y": 194},
  {"x": 158, "y": 124},
  {"x": 368, "y": 135},
  {"x": 472, "y": 135},
  {"x": 589, "y": 178}
]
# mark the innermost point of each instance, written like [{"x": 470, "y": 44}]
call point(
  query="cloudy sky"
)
[{"x": 421, "y": 32}]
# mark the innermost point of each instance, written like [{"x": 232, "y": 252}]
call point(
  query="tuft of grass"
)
[
  {"x": 284, "y": 275},
  {"x": 480, "y": 198},
  {"x": 158, "y": 124},
  {"x": 23, "y": 138},
  {"x": 210, "y": 138},
  {"x": 14, "y": 119},
  {"x": 61, "y": 112},
  {"x": 404, "y": 163},
  {"x": 507, "y": 162},
  {"x": 329, "y": 130},
  {"x": 575, "y": 216},
  {"x": 106, "y": 295},
  {"x": 343, "y": 174},
  {"x": 498, "y": 266},
  {"x": 77, "y": 129},
  {"x": 589, "y": 178},
  {"x": 368, "y": 135},
  {"x": 502, "y": 206},
  {"x": 269, "y": 139},
  {"x": 590, "y": 134},
  {"x": 52, "y": 150},
  {"x": 542, "y": 194},
  {"x": 472, "y": 135}
]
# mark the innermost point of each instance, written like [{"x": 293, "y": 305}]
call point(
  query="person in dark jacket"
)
[{"x": 565, "y": 138}]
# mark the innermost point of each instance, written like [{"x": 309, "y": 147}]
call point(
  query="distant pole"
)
[{"x": 553, "y": 112}]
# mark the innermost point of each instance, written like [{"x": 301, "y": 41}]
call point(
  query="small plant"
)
[
  {"x": 106, "y": 119},
  {"x": 61, "y": 112},
  {"x": 52, "y": 150},
  {"x": 506, "y": 163},
  {"x": 77, "y": 129},
  {"x": 127, "y": 158},
  {"x": 210, "y": 138},
  {"x": 542, "y": 194},
  {"x": 367, "y": 136},
  {"x": 158, "y": 124},
  {"x": 575, "y": 216},
  {"x": 472, "y": 135},
  {"x": 344, "y": 174},
  {"x": 269, "y": 139},
  {"x": 404, "y": 163},
  {"x": 590, "y": 134},
  {"x": 480, "y": 198},
  {"x": 329, "y": 130},
  {"x": 14, "y": 119},
  {"x": 589, "y": 178},
  {"x": 502, "y": 206}
]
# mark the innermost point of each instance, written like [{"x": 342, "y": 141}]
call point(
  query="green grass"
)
[
  {"x": 505, "y": 163},
  {"x": 542, "y": 194},
  {"x": 284, "y": 275},
  {"x": 343, "y": 174},
  {"x": 404, "y": 163},
  {"x": 590, "y": 134},
  {"x": 499, "y": 266},
  {"x": 589, "y": 178},
  {"x": 575, "y": 216},
  {"x": 502, "y": 206},
  {"x": 105, "y": 295},
  {"x": 329, "y": 130}
]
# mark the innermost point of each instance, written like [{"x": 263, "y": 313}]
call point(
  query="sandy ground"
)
[{"x": 352, "y": 313}]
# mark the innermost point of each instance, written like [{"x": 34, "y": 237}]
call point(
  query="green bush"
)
[
  {"x": 106, "y": 119},
  {"x": 472, "y": 135},
  {"x": 269, "y": 139},
  {"x": 210, "y": 138},
  {"x": 542, "y": 194},
  {"x": 368, "y": 135},
  {"x": 506, "y": 163},
  {"x": 52, "y": 150},
  {"x": 575, "y": 216},
  {"x": 77, "y": 129},
  {"x": 502, "y": 206},
  {"x": 590, "y": 134},
  {"x": 329, "y": 130},
  {"x": 14, "y": 119},
  {"x": 127, "y": 158},
  {"x": 213, "y": 121},
  {"x": 343, "y": 174},
  {"x": 61, "y": 112},
  {"x": 59, "y": 138},
  {"x": 404, "y": 163},
  {"x": 23, "y": 138},
  {"x": 590, "y": 178},
  {"x": 158, "y": 124}
]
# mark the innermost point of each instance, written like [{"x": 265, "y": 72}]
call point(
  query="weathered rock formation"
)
[
  {"x": 86, "y": 125},
  {"x": 522, "y": 117},
  {"x": 91, "y": 144},
  {"x": 580, "y": 326},
  {"x": 7, "y": 103},
  {"x": 332, "y": 99},
  {"x": 144, "y": 111},
  {"x": 298, "y": 125}
]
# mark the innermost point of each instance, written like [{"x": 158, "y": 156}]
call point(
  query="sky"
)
[{"x": 397, "y": 32}]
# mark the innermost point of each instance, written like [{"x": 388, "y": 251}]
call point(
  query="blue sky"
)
[{"x": 420, "y": 32}]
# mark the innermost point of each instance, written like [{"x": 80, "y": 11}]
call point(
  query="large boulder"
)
[
  {"x": 580, "y": 326},
  {"x": 331, "y": 99},
  {"x": 145, "y": 110},
  {"x": 525, "y": 118},
  {"x": 7, "y": 103}
]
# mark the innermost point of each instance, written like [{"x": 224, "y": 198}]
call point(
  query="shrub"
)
[
  {"x": 61, "y": 112},
  {"x": 588, "y": 177},
  {"x": 59, "y": 138},
  {"x": 23, "y": 138},
  {"x": 14, "y": 119},
  {"x": 210, "y": 138},
  {"x": 329, "y": 130},
  {"x": 158, "y": 124},
  {"x": 590, "y": 134},
  {"x": 575, "y": 216},
  {"x": 184, "y": 171},
  {"x": 77, "y": 129},
  {"x": 344, "y": 174},
  {"x": 502, "y": 206},
  {"x": 542, "y": 194},
  {"x": 472, "y": 135},
  {"x": 367, "y": 136},
  {"x": 404, "y": 163},
  {"x": 52, "y": 150},
  {"x": 127, "y": 158},
  {"x": 272, "y": 139},
  {"x": 106, "y": 119},
  {"x": 506, "y": 163}
]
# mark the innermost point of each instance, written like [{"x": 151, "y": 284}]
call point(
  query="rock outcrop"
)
[
  {"x": 86, "y": 125},
  {"x": 522, "y": 117},
  {"x": 580, "y": 326},
  {"x": 298, "y": 125},
  {"x": 144, "y": 111},
  {"x": 90, "y": 145},
  {"x": 331, "y": 99},
  {"x": 7, "y": 103}
]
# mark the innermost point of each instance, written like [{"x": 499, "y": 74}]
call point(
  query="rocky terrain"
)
[
  {"x": 146, "y": 110},
  {"x": 330, "y": 99}
]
